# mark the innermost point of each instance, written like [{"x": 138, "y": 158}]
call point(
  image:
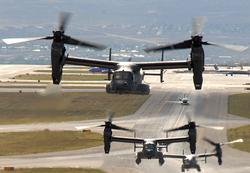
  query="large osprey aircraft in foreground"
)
[{"x": 127, "y": 76}]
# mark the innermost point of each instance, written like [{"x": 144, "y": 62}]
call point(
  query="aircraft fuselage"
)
[
  {"x": 150, "y": 151},
  {"x": 190, "y": 163},
  {"x": 128, "y": 78}
]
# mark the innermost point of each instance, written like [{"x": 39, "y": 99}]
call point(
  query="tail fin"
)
[{"x": 216, "y": 67}]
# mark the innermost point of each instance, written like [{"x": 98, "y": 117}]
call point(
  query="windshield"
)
[
  {"x": 149, "y": 147},
  {"x": 123, "y": 76}
]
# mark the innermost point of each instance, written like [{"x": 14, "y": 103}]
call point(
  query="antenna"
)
[
  {"x": 109, "y": 71},
  {"x": 161, "y": 73}
]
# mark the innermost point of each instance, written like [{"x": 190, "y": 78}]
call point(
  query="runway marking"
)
[{"x": 180, "y": 115}]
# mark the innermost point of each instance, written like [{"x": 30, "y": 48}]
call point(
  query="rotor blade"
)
[
  {"x": 181, "y": 45},
  {"x": 237, "y": 48},
  {"x": 87, "y": 127},
  {"x": 209, "y": 141},
  {"x": 197, "y": 26},
  {"x": 63, "y": 21},
  {"x": 73, "y": 41},
  {"x": 185, "y": 127},
  {"x": 113, "y": 126},
  {"x": 21, "y": 40},
  {"x": 110, "y": 116},
  {"x": 232, "y": 142},
  {"x": 211, "y": 127}
]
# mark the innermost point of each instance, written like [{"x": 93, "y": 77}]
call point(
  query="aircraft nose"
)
[{"x": 122, "y": 85}]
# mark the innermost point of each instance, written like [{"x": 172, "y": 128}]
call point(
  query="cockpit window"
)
[
  {"x": 123, "y": 76},
  {"x": 149, "y": 147}
]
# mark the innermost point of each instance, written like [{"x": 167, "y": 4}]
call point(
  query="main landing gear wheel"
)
[
  {"x": 198, "y": 168},
  {"x": 138, "y": 161},
  {"x": 182, "y": 169},
  {"x": 161, "y": 160}
]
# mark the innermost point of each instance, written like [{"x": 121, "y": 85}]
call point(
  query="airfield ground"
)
[
  {"x": 64, "y": 77},
  {"x": 65, "y": 71},
  {"x": 242, "y": 132},
  {"x": 239, "y": 104},
  {"x": 18, "y": 143},
  {"x": 54, "y": 170},
  {"x": 160, "y": 111},
  {"x": 28, "y": 107}
]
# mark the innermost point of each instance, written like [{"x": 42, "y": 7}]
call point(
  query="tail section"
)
[{"x": 216, "y": 67}]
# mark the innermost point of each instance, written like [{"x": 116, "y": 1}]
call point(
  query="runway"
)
[{"x": 208, "y": 107}]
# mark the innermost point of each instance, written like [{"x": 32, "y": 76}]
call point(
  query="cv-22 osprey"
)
[
  {"x": 151, "y": 147},
  {"x": 191, "y": 161},
  {"x": 127, "y": 76}
]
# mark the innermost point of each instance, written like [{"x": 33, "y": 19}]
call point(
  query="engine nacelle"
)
[
  {"x": 197, "y": 63},
  {"x": 192, "y": 140},
  {"x": 219, "y": 153},
  {"x": 57, "y": 61},
  {"x": 107, "y": 137}
]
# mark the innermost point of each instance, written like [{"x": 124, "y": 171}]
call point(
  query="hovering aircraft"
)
[
  {"x": 231, "y": 71},
  {"x": 151, "y": 148},
  {"x": 197, "y": 53},
  {"x": 184, "y": 100},
  {"x": 191, "y": 162}
]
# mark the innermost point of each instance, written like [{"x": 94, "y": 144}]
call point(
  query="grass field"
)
[
  {"x": 63, "y": 87},
  {"x": 239, "y": 104},
  {"x": 18, "y": 143},
  {"x": 240, "y": 132},
  {"x": 17, "y": 108},
  {"x": 54, "y": 170},
  {"x": 64, "y": 77}
]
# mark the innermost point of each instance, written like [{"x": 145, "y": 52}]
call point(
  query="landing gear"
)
[
  {"x": 182, "y": 168},
  {"x": 138, "y": 159},
  {"x": 143, "y": 89},
  {"x": 108, "y": 88},
  {"x": 198, "y": 168},
  {"x": 161, "y": 159}
]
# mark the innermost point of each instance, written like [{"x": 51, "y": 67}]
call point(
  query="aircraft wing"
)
[
  {"x": 163, "y": 65},
  {"x": 91, "y": 62},
  {"x": 167, "y": 141},
  {"x": 205, "y": 155},
  {"x": 176, "y": 156},
  {"x": 179, "y": 156},
  {"x": 127, "y": 140}
]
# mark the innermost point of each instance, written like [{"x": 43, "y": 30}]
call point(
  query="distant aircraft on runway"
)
[
  {"x": 232, "y": 71},
  {"x": 184, "y": 100},
  {"x": 98, "y": 70}
]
